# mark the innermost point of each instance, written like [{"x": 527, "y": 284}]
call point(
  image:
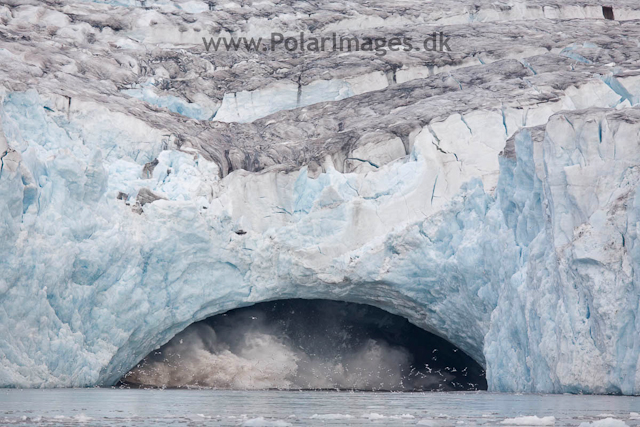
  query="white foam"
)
[{"x": 82, "y": 418}]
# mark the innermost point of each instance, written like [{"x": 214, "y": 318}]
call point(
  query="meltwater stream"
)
[{"x": 122, "y": 407}]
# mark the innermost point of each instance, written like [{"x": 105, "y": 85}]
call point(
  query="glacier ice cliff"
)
[{"x": 488, "y": 195}]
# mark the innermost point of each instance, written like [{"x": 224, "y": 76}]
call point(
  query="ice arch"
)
[
  {"x": 144, "y": 342},
  {"x": 122, "y": 244},
  {"x": 442, "y": 275}
]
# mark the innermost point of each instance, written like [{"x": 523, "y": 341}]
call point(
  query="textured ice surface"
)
[
  {"x": 172, "y": 103},
  {"x": 122, "y": 221},
  {"x": 248, "y": 106}
]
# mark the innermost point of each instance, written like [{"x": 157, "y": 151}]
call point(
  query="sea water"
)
[{"x": 129, "y": 407}]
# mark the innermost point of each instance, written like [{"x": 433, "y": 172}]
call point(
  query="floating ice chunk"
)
[
  {"x": 607, "y": 422},
  {"x": 532, "y": 420},
  {"x": 262, "y": 422},
  {"x": 407, "y": 416},
  {"x": 374, "y": 416},
  {"x": 331, "y": 416}
]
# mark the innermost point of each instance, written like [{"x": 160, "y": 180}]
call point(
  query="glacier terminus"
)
[{"x": 489, "y": 194}]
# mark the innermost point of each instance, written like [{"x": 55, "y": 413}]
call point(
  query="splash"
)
[{"x": 299, "y": 344}]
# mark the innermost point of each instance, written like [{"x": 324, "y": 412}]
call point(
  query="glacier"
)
[{"x": 489, "y": 197}]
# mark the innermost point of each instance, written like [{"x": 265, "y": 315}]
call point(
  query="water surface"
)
[{"x": 122, "y": 407}]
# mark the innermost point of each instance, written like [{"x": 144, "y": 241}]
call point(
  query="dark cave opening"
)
[{"x": 298, "y": 344}]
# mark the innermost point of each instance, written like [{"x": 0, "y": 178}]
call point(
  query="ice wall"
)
[
  {"x": 100, "y": 285},
  {"x": 535, "y": 280},
  {"x": 567, "y": 320}
]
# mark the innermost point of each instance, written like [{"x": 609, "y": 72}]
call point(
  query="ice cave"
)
[{"x": 307, "y": 345}]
